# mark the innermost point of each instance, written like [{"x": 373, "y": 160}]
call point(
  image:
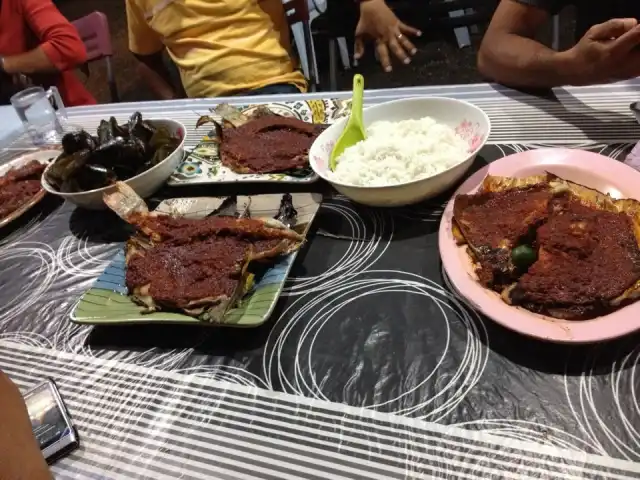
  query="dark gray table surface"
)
[{"x": 370, "y": 367}]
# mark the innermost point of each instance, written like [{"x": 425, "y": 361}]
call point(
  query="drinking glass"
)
[{"x": 40, "y": 119}]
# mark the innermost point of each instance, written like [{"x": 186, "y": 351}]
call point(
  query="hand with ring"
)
[{"x": 377, "y": 22}]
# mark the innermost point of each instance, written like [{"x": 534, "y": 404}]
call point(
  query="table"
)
[
  {"x": 371, "y": 368},
  {"x": 10, "y": 124}
]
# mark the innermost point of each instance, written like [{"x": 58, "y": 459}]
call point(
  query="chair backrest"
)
[
  {"x": 296, "y": 11},
  {"x": 94, "y": 32}
]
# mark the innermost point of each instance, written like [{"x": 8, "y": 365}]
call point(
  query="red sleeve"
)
[{"x": 59, "y": 39}]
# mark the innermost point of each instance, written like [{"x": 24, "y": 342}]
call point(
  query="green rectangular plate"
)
[{"x": 107, "y": 302}]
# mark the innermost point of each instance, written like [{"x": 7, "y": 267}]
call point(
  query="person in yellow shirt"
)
[{"x": 220, "y": 47}]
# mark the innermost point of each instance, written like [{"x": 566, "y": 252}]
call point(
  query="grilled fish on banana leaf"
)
[
  {"x": 198, "y": 266},
  {"x": 262, "y": 142},
  {"x": 493, "y": 221},
  {"x": 552, "y": 246}
]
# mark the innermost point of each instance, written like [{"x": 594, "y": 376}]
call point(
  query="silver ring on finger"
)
[{"x": 399, "y": 36}]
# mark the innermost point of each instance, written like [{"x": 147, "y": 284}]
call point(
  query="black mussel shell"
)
[
  {"x": 105, "y": 132},
  {"x": 119, "y": 148},
  {"x": 139, "y": 129},
  {"x": 119, "y": 152},
  {"x": 136, "y": 146},
  {"x": 114, "y": 142},
  {"x": 135, "y": 120},
  {"x": 118, "y": 130},
  {"x": 75, "y": 141},
  {"x": 66, "y": 166},
  {"x": 125, "y": 157},
  {"x": 89, "y": 177}
]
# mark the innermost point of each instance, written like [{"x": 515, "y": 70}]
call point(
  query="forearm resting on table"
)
[
  {"x": 517, "y": 61},
  {"x": 29, "y": 63}
]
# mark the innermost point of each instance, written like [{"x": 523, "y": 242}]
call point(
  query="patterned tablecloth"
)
[{"x": 370, "y": 368}]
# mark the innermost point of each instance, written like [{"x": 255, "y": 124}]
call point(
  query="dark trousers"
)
[{"x": 275, "y": 89}]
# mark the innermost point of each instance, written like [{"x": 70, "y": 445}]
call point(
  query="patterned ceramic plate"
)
[
  {"x": 107, "y": 301},
  {"x": 203, "y": 164},
  {"x": 43, "y": 156}
]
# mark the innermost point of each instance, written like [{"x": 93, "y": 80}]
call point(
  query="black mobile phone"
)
[{"x": 50, "y": 421}]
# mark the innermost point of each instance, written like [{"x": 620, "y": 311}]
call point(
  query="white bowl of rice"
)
[{"x": 416, "y": 148}]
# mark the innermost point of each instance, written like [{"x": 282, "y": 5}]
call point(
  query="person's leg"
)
[
  {"x": 161, "y": 87},
  {"x": 174, "y": 75},
  {"x": 275, "y": 89}
]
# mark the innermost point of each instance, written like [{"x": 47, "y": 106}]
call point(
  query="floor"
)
[{"x": 438, "y": 61}]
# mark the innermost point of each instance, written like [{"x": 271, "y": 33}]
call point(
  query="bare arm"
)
[
  {"x": 511, "y": 56},
  {"x": 34, "y": 61},
  {"x": 61, "y": 47}
]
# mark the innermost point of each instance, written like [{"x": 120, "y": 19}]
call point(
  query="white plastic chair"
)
[
  {"x": 462, "y": 33},
  {"x": 298, "y": 38}
]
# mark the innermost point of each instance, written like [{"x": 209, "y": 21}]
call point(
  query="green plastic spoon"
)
[{"x": 354, "y": 130}]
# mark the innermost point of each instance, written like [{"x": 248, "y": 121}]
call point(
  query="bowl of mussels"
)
[{"x": 142, "y": 153}]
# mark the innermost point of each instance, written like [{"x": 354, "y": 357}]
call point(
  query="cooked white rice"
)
[{"x": 399, "y": 152}]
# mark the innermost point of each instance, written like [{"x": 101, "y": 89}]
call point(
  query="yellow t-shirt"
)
[{"x": 221, "y": 47}]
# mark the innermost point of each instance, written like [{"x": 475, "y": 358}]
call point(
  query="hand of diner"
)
[
  {"x": 378, "y": 23},
  {"x": 511, "y": 54},
  {"x": 607, "y": 52}
]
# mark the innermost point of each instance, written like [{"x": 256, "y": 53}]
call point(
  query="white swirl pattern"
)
[
  {"x": 76, "y": 259},
  {"x": 40, "y": 277},
  {"x": 366, "y": 247}
]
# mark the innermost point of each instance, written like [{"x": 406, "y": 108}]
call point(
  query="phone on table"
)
[{"x": 50, "y": 421}]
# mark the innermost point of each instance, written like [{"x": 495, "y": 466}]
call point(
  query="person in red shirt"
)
[{"x": 38, "y": 43}]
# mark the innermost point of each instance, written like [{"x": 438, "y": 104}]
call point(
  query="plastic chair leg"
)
[
  {"x": 333, "y": 61},
  {"x": 312, "y": 63},
  {"x": 344, "y": 53},
  {"x": 298, "y": 40},
  {"x": 113, "y": 87},
  {"x": 462, "y": 33},
  {"x": 473, "y": 28}
]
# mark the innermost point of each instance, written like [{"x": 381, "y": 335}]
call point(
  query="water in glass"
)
[{"x": 38, "y": 115}]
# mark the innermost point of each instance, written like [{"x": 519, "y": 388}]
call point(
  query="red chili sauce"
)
[{"x": 268, "y": 144}]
